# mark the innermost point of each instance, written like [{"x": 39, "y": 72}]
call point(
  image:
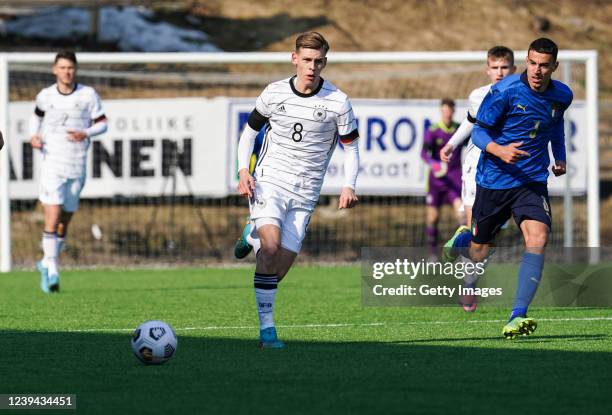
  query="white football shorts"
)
[
  {"x": 56, "y": 189},
  {"x": 271, "y": 206}
]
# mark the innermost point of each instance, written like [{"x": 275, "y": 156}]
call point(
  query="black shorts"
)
[{"x": 493, "y": 207}]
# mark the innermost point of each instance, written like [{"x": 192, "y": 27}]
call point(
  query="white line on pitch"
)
[{"x": 333, "y": 325}]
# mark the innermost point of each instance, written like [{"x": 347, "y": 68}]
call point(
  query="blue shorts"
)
[{"x": 493, "y": 207}]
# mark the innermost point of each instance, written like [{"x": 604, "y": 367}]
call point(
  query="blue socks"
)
[{"x": 529, "y": 276}]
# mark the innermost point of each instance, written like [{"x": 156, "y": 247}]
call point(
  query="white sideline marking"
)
[{"x": 335, "y": 325}]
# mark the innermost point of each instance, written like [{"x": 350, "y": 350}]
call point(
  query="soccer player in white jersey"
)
[
  {"x": 67, "y": 114},
  {"x": 500, "y": 63},
  {"x": 306, "y": 116}
]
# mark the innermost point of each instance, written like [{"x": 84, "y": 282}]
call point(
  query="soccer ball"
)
[{"x": 154, "y": 342}]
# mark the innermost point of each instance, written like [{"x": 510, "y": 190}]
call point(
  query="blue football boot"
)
[
  {"x": 44, "y": 276},
  {"x": 269, "y": 340}
]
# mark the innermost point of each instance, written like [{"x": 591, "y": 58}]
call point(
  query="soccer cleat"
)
[
  {"x": 519, "y": 326},
  {"x": 269, "y": 340},
  {"x": 44, "y": 276},
  {"x": 449, "y": 253},
  {"x": 468, "y": 302},
  {"x": 242, "y": 248},
  {"x": 54, "y": 283}
]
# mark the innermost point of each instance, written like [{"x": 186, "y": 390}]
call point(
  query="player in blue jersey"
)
[{"x": 517, "y": 120}]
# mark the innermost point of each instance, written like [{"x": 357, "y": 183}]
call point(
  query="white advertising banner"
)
[{"x": 147, "y": 139}]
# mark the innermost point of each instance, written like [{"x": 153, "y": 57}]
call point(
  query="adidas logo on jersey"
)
[{"x": 281, "y": 108}]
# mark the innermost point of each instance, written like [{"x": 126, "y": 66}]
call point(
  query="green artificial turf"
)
[{"x": 341, "y": 357}]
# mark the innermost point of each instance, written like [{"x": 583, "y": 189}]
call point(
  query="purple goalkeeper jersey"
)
[{"x": 447, "y": 187}]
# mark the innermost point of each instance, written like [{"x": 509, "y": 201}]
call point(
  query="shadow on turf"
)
[
  {"x": 225, "y": 375},
  {"x": 537, "y": 338}
]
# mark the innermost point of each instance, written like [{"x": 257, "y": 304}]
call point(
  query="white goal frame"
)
[{"x": 588, "y": 57}]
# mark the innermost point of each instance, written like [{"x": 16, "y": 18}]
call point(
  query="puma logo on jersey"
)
[{"x": 522, "y": 107}]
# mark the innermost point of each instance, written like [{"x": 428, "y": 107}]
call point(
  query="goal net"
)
[{"x": 161, "y": 182}]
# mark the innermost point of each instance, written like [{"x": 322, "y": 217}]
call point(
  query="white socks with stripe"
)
[{"x": 265, "y": 295}]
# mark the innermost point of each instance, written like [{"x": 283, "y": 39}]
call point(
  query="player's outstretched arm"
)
[
  {"x": 348, "y": 199},
  {"x": 508, "y": 154},
  {"x": 99, "y": 126},
  {"x": 557, "y": 144},
  {"x": 246, "y": 182},
  {"x": 461, "y": 135}
]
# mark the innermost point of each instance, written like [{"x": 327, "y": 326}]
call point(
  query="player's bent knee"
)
[
  {"x": 538, "y": 240},
  {"x": 479, "y": 252},
  {"x": 269, "y": 249}
]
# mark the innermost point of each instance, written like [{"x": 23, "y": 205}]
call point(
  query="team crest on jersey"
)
[{"x": 319, "y": 114}]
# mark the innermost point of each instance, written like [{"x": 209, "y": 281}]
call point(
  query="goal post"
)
[{"x": 588, "y": 58}]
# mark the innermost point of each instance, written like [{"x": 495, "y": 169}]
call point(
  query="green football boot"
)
[
  {"x": 519, "y": 326},
  {"x": 450, "y": 253},
  {"x": 242, "y": 248}
]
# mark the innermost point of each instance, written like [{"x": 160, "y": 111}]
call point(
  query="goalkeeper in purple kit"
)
[{"x": 444, "y": 180}]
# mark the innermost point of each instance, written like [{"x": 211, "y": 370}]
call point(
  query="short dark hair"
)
[
  {"x": 544, "y": 45},
  {"x": 449, "y": 102},
  {"x": 66, "y": 54},
  {"x": 311, "y": 40},
  {"x": 501, "y": 52}
]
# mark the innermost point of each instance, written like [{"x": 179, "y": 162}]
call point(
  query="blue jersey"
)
[{"x": 513, "y": 112}]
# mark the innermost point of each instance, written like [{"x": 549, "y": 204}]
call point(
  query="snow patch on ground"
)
[{"x": 129, "y": 27}]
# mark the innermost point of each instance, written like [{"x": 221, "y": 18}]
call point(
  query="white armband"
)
[
  {"x": 245, "y": 147},
  {"x": 351, "y": 163}
]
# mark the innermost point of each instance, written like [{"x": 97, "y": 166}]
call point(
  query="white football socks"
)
[
  {"x": 265, "y": 295},
  {"x": 254, "y": 242},
  {"x": 49, "y": 245}
]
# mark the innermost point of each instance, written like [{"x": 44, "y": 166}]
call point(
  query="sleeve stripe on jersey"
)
[
  {"x": 471, "y": 119},
  {"x": 100, "y": 119},
  {"x": 39, "y": 112},
  {"x": 256, "y": 120},
  {"x": 345, "y": 112},
  {"x": 350, "y": 137}
]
